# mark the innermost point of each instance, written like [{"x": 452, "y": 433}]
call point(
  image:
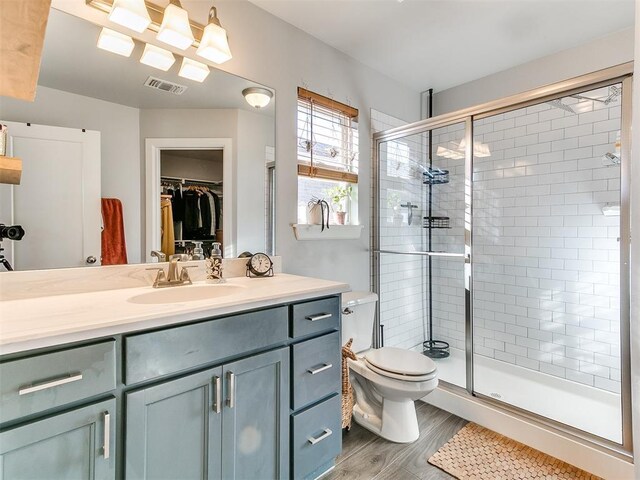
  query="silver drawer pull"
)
[
  {"x": 320, "y": 316},
  {"x": 327, "y": 433},
  {"x": 74, "y": 377},
  {"x": 217, "y": 403},
  {"x": 107, "y": 434},
  {"x": 325, "y": 366},
  {"x": 231, "y": 399}
]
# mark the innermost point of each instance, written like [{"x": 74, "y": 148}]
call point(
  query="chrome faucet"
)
[
  {"x": 159, "y": 255},
  {"x": 175, "y": 276}
]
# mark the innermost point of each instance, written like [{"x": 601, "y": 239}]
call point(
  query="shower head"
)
[
  {"x": 557, "y": 103},
  {"x": 614, "y": 93}
]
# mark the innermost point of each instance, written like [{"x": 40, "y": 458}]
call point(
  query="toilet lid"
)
[{"x": 400, "y": 361}]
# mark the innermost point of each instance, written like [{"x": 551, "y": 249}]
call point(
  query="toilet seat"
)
[{"x": 400, "y": 364}]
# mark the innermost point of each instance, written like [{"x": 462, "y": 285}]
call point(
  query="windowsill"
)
[{"x": 334, "y": 232}]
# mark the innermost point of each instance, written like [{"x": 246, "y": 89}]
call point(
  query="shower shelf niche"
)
[{"x": 436, "y": 222}]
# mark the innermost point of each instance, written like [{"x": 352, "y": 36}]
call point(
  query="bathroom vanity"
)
[{"x": 243, "y": 385}]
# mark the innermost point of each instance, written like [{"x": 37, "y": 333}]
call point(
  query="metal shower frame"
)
[{"x": 623, "y": 74}]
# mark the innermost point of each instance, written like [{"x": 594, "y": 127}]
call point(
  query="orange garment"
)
[{"x": 114, "y": 247}]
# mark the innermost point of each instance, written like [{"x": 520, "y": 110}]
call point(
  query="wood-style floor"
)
[{"x": 366, "y": 456}]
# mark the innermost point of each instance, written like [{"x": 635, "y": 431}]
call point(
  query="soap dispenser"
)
[
  {"x": 198, "y": 253},
  {"x": 213, "y": 265}
]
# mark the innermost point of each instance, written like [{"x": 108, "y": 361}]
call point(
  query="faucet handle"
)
[
  {"x": 184, "y": 274},
  {"x": 160, "y": 277}
]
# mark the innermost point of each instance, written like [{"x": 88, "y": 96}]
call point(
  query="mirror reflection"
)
[{"x": 121, "y": 159}]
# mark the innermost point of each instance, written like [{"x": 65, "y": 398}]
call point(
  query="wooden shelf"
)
[
  {"x": 334, "y": 232},
  {"x": 10, "y": 170}
]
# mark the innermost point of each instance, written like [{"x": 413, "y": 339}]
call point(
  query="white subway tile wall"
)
[{"x": 546, "y": 258}]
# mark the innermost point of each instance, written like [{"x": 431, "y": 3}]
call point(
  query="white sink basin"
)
[{"x": 184, "y": 294}]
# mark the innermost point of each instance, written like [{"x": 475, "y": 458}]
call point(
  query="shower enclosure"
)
[{"x": 500, "y": 249}]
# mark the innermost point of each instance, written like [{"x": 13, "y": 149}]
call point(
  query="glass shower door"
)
[
  {"x": 421, "y": 246},
  {"x": 546, "y": 260}
]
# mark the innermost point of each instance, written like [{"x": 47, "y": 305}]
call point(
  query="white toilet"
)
[{"x": 387, "y": 381}]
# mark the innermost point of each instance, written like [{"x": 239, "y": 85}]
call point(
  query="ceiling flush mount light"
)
[
  {"x": 193, "y": 70},
  {"x": 131, "y": 14},
  {"x": 157, "y": 57},
  {"x": 175, "y": 29},
  {"x": 214, "y": 44},
  {"x": 257, "y": 97},
  {"x": 115, "y": 42}
]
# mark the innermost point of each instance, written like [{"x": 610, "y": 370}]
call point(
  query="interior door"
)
[{"x": 61, "y": 171}]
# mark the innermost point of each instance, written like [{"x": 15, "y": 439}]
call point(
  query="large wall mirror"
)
[{"x": 186, "y": 163}]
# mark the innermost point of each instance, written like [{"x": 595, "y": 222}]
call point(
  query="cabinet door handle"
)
[
  {"x": 327, "y": 433},
  {"x": 320, "y": 316},
  {"x": 74, "y": 377},
  {"x": 107, "y": 434},
  {"x": 325, "y": 366},
  {"x": 231, "y": 399},
  {"x": 217, "y": 382}
]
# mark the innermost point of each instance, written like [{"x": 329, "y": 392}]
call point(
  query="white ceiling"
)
[
  {"x": 443, "y": 43},
  {"x": 71, "y": 62}
]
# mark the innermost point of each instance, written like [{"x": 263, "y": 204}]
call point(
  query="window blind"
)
[{"x": 327, "y": 138}]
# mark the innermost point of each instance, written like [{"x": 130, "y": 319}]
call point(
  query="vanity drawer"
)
[
  {"x": 34, "y": 384},
  {"x": 317, "y": 437},
  {"x": 163, "y": 352},
  {"x": 316, "y": 369},
  {"x": 315, "y": 317}
]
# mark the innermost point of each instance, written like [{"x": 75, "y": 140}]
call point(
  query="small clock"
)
[{"x": 260, "y": 265}]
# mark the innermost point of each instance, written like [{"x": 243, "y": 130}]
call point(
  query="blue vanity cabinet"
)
[
  {"x": 77, "y": 444},
  {"x": 173, "y": 430},
  {"x": 255, "y": 420},
  {"x": 228, "y": 422}
]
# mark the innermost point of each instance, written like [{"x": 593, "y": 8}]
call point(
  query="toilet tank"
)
[{"x": 358, "y": 314}]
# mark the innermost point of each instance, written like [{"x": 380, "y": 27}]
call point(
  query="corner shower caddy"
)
[{"x": 434, "y": 176}]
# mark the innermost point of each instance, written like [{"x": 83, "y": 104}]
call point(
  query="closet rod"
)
[{"x": 191, "y": 180}]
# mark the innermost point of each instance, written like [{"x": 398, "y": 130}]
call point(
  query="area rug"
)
[{"x": 476, "y": 453}]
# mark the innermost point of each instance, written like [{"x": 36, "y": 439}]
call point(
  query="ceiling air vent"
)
[{"x": 165, "y": 86}]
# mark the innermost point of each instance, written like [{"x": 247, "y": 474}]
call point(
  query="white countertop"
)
[{"x": 46, "y": 321}]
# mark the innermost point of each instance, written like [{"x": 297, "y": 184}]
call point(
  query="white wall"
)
[
  {"x": 255, "y": 133},
  {"x": 119, "y": 129},
  {"x": 197, "y": 168},
  {"x": 598, "y": 54}
]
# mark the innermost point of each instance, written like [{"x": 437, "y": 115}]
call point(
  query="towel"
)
[{"x": 114, "y": 248}]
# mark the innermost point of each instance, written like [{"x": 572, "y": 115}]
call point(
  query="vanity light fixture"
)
[
  {"x": 193, "y": 70},
  {"x": 257, "y": 97},
  {"x": 157, "y": 57},
  {"x": 175, "y": 29},
  {"x": 132, "y": 14},
  {"x": 214, "y": 44},
  {"x": 115, "y": 42}
]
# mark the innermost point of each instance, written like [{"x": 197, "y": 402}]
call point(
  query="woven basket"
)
[{"x": 347, "y": 389}]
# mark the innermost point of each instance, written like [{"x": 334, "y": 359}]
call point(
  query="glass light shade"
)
[
  {"x": 175, "y": 29},
  {"x": 131, "y": 14},
  {"x": 157, "y": 57},
  {"x": 214, "y": 45},
  {"x": 193, "y": 70},
  {"x": 115, "y": 42},
  {"x": 257, "y": 97}
]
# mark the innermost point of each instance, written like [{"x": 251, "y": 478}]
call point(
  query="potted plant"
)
[{"x": 338, "y": 195}]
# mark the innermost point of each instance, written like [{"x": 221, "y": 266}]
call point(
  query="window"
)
[{"x": 327, "y": 153}]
